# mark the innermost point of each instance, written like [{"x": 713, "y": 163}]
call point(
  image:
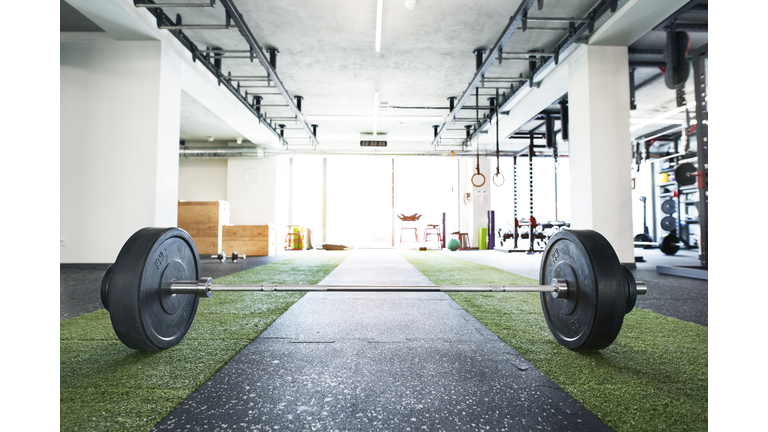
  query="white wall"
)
[
  {"x": 202, "y": 179},
  {"x": 119, "y": 135}
]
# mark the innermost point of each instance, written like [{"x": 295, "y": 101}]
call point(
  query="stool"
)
[
  {"x": 415, "y": 232},
  {"x": 464, "y": 241},
  {"x": 433, "y": 230}
]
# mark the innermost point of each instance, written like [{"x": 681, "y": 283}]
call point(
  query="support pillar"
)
[
  {"x": 600, "y": 152},
  {"x": 120, "y": 116}
]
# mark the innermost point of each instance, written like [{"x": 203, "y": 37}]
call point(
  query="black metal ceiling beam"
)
[
  {"x": 691, "y": 6},
  {"x": 214, "y": 64},
  {"x": 514, "y": 23},
  {"x": 245, "y": 31},
  {"x": 163, "y": 18},
  {"x": 575, "y": 34}
]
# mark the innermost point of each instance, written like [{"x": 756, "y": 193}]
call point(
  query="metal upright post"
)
[{"x": 702, "y": 147}]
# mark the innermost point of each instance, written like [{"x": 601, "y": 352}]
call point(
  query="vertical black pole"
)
[
  {"x": 442, "y": 242},
  {"x": 564, "y": 119},
  {"x": 273, "y": 52},
  {"x": 702, "y": 148},
  {"x": 514, "y": 195},
  {"x": 531, "y": 218},
  {"x": 491, "y": 230}
]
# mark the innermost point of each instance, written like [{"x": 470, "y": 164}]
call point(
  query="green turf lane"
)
[
  {"x": 106, "y": 386},
  {"x": 653, "y": 377}
]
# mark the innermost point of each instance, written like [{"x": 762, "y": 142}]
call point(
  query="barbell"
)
[{"x": 153, "y": 288}]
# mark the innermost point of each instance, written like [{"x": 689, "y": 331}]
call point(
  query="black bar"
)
[
  {"x": 550, "y": 130},
  {"x": 564, "y": 118}
]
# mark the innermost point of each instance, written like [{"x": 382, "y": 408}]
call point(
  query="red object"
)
[
  {"x": 700, "y": 175},
  {"x": 674, "y": 194},
  {"x": 517, "y": 222},
  {"x": 532, "y": 222}
]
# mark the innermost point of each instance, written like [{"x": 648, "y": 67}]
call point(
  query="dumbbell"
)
[
  {"x": 223, "y": 257},
  {"x": 153, "y": 289}
]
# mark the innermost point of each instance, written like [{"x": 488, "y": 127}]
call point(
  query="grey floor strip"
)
[{"x": 379, "y": 361}]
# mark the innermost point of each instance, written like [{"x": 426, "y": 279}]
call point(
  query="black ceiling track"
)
[
  {"x": 213, "y": 63},
  {"x": 576, "y": 30}
]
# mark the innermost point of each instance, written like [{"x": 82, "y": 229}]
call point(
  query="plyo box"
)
[
  {"x": 203, "y": 220},
  {"x": 249, "y": 240}
]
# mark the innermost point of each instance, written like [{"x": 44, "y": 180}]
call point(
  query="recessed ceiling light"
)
[{"x": 410, "y": 4}]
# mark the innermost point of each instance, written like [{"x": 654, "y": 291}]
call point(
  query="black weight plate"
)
[
  {"x": 105, "y": 287},
  {"x": 668, "y": 206},
  {"x": 683, "y": 174},
  {"x": 591, "y": 315},
  {"x": 145, "y": 316},
  {"x": 668, "y": 223},
  {"x": 669, "y": 244},
  {"x": 643, "y": 238}
]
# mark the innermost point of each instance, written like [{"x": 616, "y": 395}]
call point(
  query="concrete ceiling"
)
[{"x": 327, "y": 56}]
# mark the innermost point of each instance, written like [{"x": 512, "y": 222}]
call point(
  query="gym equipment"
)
[
  {"x": 498, "y": 174},
  {"x": 669, "y": 244},
  {"x": 644, "y": 237},
  {"x": 668, "y": 223},
  {"x": 153, "y": 289},
  {"x": 223, "y": 257},
  {"x": 677, "y": 67},
  {"x": 668, "y": 206},
  {"x": 685, "y": 174},
  {"x": 478, "y": 173},
  {"x": 454, "y": 244}
]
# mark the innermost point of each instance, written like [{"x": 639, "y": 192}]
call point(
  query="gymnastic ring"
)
[
  {"x": 494, "y": 179},
  {"x": 473, "y": 180}
]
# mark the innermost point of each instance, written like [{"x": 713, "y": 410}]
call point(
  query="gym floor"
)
[{"x": 413, "y": 346}]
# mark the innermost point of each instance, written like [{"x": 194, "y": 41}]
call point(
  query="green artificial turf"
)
[
  {"x": 653, "y": 377},
  {"x": 106, "y": 386}
]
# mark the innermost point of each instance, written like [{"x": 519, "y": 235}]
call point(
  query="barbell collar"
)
[
  {"x": 201, "y": 288},
  {"x": 642, "y": 288}
]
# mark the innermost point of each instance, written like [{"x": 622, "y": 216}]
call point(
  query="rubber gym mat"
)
[
  {"x": 107, "y": 386},
  {"x": 653, "y": 377}
]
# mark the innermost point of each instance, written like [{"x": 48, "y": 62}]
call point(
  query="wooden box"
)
[
  {"x": 203, "y": 220},
  {"x": 249, "y": 240}
]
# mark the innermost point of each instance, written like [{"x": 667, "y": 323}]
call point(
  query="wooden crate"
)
[
  {"x": 249, "y": 240},
  {"x": 203, "y": 220}
]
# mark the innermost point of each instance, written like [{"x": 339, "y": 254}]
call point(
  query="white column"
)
[
  {"x": 120, "y": 105},
  {"x": 600, "y": 151}
]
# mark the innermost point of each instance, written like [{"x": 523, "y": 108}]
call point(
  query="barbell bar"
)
[
  {"x": 153, "y": 289},
  {"x": 205, "y": 288}
]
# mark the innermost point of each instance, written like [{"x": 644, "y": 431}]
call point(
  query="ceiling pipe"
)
[{"x": 188, "y": 152}]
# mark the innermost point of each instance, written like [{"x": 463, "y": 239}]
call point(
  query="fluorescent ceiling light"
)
[
  {"x": 422, "y": 119},
  {"x": 378, "y": 25}
]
